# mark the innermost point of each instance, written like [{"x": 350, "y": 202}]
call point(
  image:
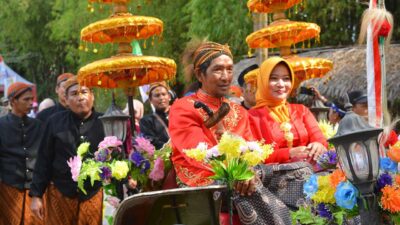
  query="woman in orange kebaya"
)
[{"x": 292, "y": 127}]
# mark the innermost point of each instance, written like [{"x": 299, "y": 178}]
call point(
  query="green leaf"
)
[{"x": 305, "y": 216}]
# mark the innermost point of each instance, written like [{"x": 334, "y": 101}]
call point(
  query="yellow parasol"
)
[
  {"x": 268, "y": 6},
  {"x": 307, "y": 68},
  {"x": 283, "y": 33},
  {"x": 122, "y": 28}
]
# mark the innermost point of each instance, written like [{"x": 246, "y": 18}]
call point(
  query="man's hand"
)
[
  {"x": 132, "y": 184},
  {"x": 37, "y": 207},
  {"x": 247, "y": 187}
]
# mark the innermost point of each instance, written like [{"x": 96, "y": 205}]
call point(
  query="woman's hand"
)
[
  {"x": 315, "y": 149},
  {"x": 299, "y": 152},
  {"x": 246, "y": 187}
]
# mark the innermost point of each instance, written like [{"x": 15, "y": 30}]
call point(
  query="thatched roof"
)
[{"x": 349, "y": 71}]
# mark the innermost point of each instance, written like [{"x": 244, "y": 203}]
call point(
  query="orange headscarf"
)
[{"x": 278, "y": 108}]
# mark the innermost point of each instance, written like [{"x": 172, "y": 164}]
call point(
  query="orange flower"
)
[
  {"x": 391, "y": 199},
  {"x": 394, "y": 152},
  {"x": 397, "y": 179},
  {"x": 336, "y": 177}
]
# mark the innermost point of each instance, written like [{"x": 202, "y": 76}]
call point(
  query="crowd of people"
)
[{"x": 36, "y": 186}]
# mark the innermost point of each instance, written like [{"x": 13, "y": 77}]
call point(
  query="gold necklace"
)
[{"x": 288, "y": 135}]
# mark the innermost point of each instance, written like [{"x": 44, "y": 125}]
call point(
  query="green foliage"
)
[
  {"x": 221, "y": 21},
  {"x": 236, "y": 170},
  {"x": 305, "y": 216},
  {"x": 91, "y": 169},
  {"x": 339, "y": 19}
]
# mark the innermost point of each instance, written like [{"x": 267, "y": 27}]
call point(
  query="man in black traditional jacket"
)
[
  {"x": 155, "y": 126},
  {"x": 64, "y": 132},
  {"x": 59, "y": 106},
  {"x": 19, "y": 143}
]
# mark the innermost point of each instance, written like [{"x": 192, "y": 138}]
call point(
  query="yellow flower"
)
[
  {"x": 326, "y": 192},
  {"x": 119, "y": 169},
  {"x": 328, "y": 130},
  {"x": 195, "y": 153},
  {"x": 230, "y": 146},
  {"x": 252, "y": 158},
  {"x": 83, "y": 148},
  {"x": 267, "y": 151}
]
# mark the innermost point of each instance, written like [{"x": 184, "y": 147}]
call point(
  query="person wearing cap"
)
[
  {"x": 248, "y": 82},
  {"x": 64, "y": 132},
  {"x": 155, "y": 125},
  {"x": 336, "y": 109},
  {"x": 19, "y": 143},
  {"x": 359, "y": 100},
  {"x": 59, "y": 106}
]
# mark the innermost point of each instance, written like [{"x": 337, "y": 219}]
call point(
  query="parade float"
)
[{"x": 284, "y": 34}]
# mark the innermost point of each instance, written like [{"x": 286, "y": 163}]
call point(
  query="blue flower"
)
[
  {"x": 323, "y": 211},
  {"x": 105, "y": 173},
  {"x": 328, "y": 160},
  {"x": 145, "y": 166},
  {"x": 383, "y": 180},
  {"x": 346, "y": 195},
  {"x": 136, "y": 158},
  {"x": 311, "y": 186},
  {"x": 101, "y": 155},
  {"x": 388, "y": 165}
]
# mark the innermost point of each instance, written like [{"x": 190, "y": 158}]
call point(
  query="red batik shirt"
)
[{"x": 187, "y": 130}]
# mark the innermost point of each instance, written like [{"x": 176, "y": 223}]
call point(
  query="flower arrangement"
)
[
  {"x": 110, "y": 165},
  {"x": 232, "y": 158},
  {"x": 332, "y": 199}
]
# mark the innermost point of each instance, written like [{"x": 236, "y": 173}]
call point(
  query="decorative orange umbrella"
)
[
  {"x": 126, "y": 71},
  {"x": 122, "y": 28},
  {"x": 268, "y": 6},
  {"x": 283, "y": 33},
  {"x": 307, "y": 68}
]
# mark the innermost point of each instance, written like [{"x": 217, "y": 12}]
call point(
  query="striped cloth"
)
[
  {"x": 15, "y": 207},
  {"x": 71, "y": 211}
]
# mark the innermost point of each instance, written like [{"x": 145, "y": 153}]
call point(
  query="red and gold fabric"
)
[
  {"x": 187, "y": 130},
  {"x": 71, "y": 211},
  {"x": 305, "y": 130},
  {"x": 15, "y": 207}
]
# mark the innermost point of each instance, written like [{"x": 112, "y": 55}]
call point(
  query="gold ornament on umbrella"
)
[{"x": 268, "y": 6}]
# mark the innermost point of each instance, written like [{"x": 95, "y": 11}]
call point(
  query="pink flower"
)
[
  {"x": 75, "y": 164},
  {"x": 158, "y": 171},
  {"x": 113, "y": 201},
  {"x": 144, "y": 145},
  {"x": 110, "y": 142}
]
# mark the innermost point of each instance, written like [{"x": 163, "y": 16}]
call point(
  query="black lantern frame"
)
[
  {"x": 355, "y": 134},
  {"x": 115, "y": 122}
]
